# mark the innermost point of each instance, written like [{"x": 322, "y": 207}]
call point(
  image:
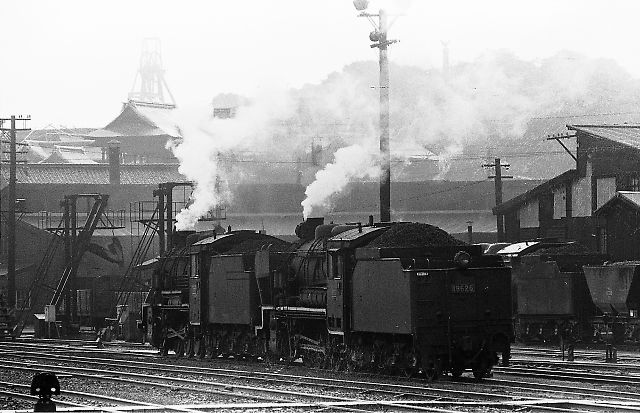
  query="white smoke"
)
[
  {"x": 489, "y": 101},
  {"x": 208, "y": 142},
  {"x": 444, "y": 159},
  {"x": 351, "y": 162}
]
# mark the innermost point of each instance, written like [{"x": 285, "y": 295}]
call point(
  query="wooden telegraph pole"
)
[
  {"x": 498, "y": 177},
  {"x": 11, "y": 130}
]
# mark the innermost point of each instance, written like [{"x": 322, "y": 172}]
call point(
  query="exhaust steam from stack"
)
[{"x": 488, "y": 102}]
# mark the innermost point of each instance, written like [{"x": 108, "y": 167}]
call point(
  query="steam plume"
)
[
  {"x": 351, "y": 162},
  {"x": 207, "y": 142},
  {"x": 489, "y": 102}
]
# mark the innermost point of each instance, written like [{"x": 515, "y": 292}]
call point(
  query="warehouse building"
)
[{"x": 607, "y": 163}]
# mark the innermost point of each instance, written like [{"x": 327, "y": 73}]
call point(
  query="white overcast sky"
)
[{"x": 72, "y": 63}]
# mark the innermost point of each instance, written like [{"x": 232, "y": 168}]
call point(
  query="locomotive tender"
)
[
  {"x": 393, "y": 297},
  {"x": 551, "y": 298}
]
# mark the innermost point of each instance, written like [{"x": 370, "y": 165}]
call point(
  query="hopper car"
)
[{"x": 615, "y": 290}]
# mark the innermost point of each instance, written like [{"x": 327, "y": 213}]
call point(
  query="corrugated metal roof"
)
[{"x": 626, "y": 134}]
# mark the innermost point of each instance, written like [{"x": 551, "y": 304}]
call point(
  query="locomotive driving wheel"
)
[
  {"x": 410, "y": 364},
  {"x": 457, "y": 364},
  {"x": 456, "y": 372},
  {"x": 431, "y": 373},
  {"x": 482, "y": 367}
]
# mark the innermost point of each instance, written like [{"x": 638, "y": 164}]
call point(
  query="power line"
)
[{"x": 468, "y": 184}]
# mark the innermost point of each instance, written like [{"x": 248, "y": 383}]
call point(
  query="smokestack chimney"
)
[{"x": 114, "y": 162}]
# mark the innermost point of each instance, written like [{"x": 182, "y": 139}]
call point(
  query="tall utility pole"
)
[
  {"x": 385, "y": 161},
  {"x": 379, "y": 39},
  {"x": 11, "y": 203},
  {"x": 498, "y": 177}
]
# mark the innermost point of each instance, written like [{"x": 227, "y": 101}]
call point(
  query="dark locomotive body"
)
[
  {"x": 551, "y": 295},
  {"x": 334, "y": 299}
]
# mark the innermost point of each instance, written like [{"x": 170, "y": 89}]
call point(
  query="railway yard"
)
[
  {"x": 128, "y": 377},
  {"x": 352, "y": 235}
]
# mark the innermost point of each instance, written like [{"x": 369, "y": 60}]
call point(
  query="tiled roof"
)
[
  {"x": 62, "y": 154},
  {"x": 626, "y": 134},
  {"x": 139, "y": 120},
  {"x": 630, "y": 198},
  {"x": 93, "y": 174},
  {"x": 53, "y": 134}
]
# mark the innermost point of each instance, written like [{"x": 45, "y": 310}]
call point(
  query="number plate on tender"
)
[{"x": 463, "y": 288}]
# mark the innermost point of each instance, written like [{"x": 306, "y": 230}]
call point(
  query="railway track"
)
[
  {"x": 356, "y": 394},
  {"x": 579, "y": 354}
]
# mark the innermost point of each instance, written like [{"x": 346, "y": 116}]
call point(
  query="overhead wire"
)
[{"x": 466, "y": 185}]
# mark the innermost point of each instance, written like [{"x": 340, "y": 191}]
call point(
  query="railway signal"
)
[{"x": 379, "y": 40}]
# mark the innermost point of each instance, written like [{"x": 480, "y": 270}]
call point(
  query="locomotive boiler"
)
[{"x": 392, "y": 297}]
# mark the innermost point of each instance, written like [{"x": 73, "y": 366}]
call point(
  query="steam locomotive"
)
[{"x": 388, "y": 297}]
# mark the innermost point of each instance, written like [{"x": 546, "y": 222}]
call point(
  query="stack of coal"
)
[{"x": 414, "y": 235}]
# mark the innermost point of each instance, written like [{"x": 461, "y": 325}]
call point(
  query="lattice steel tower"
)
[{"x": 149, "y": 85}]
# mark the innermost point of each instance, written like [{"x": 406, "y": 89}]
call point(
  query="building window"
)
[{"x": 631, "y": 183}]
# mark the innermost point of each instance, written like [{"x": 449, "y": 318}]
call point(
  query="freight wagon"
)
[{"x": 615, "y": 290}]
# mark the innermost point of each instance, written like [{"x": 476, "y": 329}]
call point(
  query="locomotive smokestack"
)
[{"x": 306, "y": 230}]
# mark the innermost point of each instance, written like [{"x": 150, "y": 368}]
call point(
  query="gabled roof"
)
[
  {"x": 66, "y": 154},
  {"x": 146, "y": 174},
  {"x": 626, "y": 134},
  {"x": 53, "y": 134},
  {"x": 563, "y": 178},
  {"x": 628, "y": 198},
  {"x": 139, "y": 120}
]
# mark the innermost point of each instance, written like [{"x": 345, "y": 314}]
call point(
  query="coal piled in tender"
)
[
  {"x": 414, "y": 235},
  {"x": 256, "y": 244},
  {"x": 572, "y": 248}
]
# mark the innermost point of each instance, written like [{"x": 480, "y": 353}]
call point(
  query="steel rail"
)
[
  {"x": 89, "y": 396},
  {"x": 170, "y": 382}
]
